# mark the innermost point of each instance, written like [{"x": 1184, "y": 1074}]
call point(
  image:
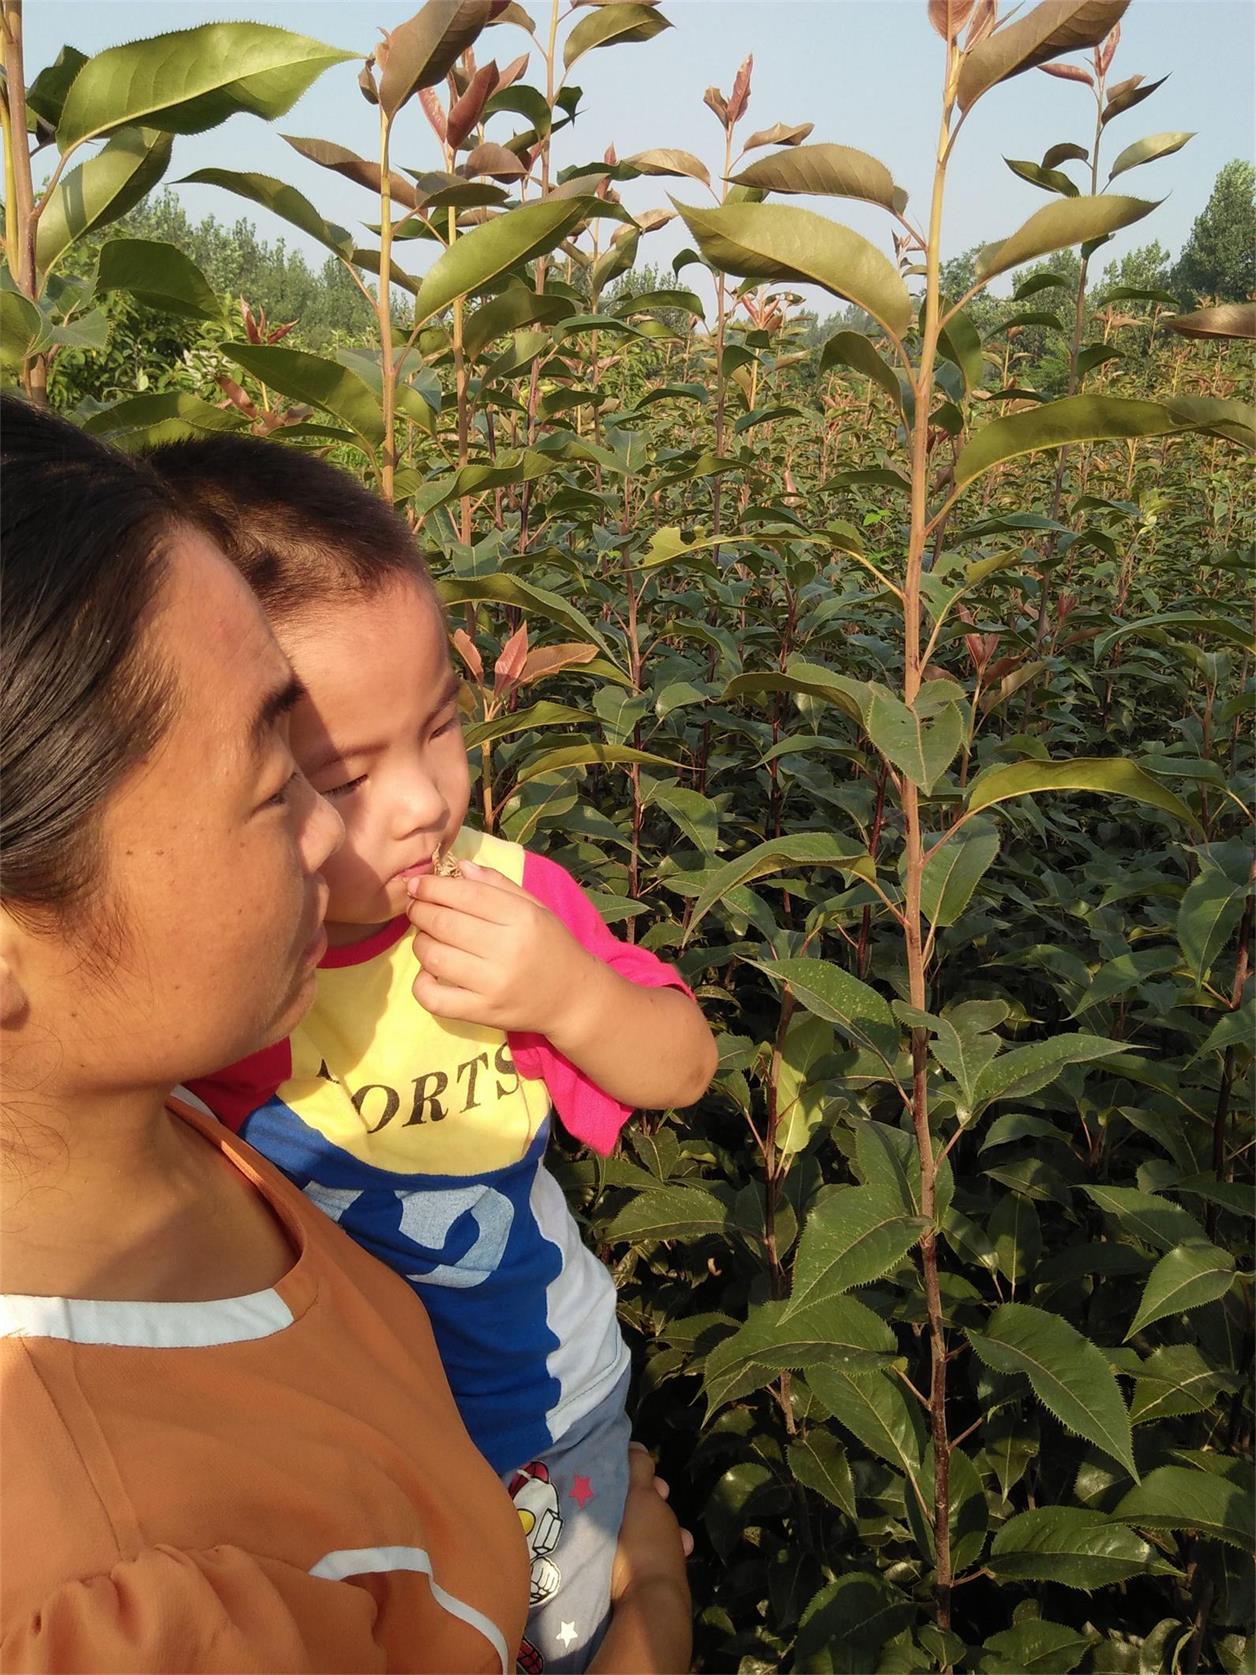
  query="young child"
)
[{"x": 413, "y": 1102}]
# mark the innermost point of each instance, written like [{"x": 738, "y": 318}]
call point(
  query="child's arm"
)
[{"x": 491, "y": 953}]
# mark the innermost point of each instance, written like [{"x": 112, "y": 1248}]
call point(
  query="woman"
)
[{"x": 227, "y": 1441}]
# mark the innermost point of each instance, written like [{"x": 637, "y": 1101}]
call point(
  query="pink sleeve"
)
[{"x": 587, "y": 1113}]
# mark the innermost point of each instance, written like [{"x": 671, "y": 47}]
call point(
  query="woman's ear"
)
[{"x": 14, "y": 1001}]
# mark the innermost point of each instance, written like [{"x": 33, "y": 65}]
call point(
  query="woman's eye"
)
[{"x": 345, "y": 789}]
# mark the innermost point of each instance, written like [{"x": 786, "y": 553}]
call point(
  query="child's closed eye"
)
[{"x": 349, "y": 786}]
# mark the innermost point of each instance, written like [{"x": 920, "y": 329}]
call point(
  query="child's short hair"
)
[{"x": 300, "y": 531}]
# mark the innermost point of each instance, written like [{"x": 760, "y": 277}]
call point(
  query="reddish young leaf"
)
[
  {"x": 510, "y": 75},
  {"x": 493, "y": 160},
  {"x": 1108, "y": 48},
  {"x": 739, "y": 98},
  {"x": 1068, "y": 72},
  {"x": 714, "y": 100},
  {"x": 466, "y": 649},
  {"x": 948, "y": 17},
  {"x": 433, "y": 111},
  {"x": 548, "y": 660},
  {"x": 509, "y": 666},
  {"x": 464, "y": 115}
]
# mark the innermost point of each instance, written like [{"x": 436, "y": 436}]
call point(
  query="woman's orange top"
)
[{"x": 274, "y": 1482}]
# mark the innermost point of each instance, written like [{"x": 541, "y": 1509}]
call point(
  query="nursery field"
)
[{"x": 892, "y": 674}]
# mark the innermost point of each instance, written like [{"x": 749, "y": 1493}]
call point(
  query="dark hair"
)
[
  {"x": 84, "y": 535},
  {"x": 299, "y": 530}
]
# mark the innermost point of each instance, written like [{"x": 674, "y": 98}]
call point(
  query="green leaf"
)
[
  {"x": 1112, "y": 776},
  {"x": 170, "y": 413},
  {"x": 836, "y": 171},
  {"x": 610, "y": 25},
  {"x": 1041, "y": 174},
  {"x": 282, "y": 200},
  {"x": 846, "y": 1625},
  {"x": 1059, "y": 226},
  {"x": 305, "y": 377},
  {"x": 833, "y": 1331},
  {"x": 1017, "y": 1235},
  {"x": 921, "y": 749},
  {"x": 803, "y": 849},
  {"x": 1156, "y": 1221},
  {"x": 506, "y": 589},
  {"x": 423, "y": 50},
  {"x": 46, "y": 94},
  {"x": 1072, "y": 1545},
  {"x": 1034, "y": 1646},
  {"x": 1210, "y": 909},
  {"x": 1026, "y": 1070},
  {"x": 840, "y": 999},
  {"x": 478, "y": 257},
  {"x": 1069, "y": 1375},
  {"x": 799, "y": 1099},
  {"x": 1183, "y": 1279},
  {"x": 851, "y": 1238},
  {"x": 192, "y": 79},
  {"x": 852, "y": 697},
  {"x": 1084, "y": 418},
  {"x": 158, "y": 275},
  {"x": 1180, "y": 1498},
  {"x": 876, "y": 1410},
  {"x": 696, "y": 816},
  {"x": 953, "y": 872},
  {"x": 21, "y": 329},
  {"x": 853, "y": 349},
  {"x": 779, "y": 242},
  {"x": 101, "y": 189},
  {"x": 1046, "y": 32},
  {"x": 1126, "y": 972},
  {"x": 818, "y": 1461},
  {"x": 1173, "y": 1380},
  {"x": 586, "y": 755},
  {"x": 1146, "y": 151},
  {"x": 518, "y": 306},
  {"x": 672, "y": 1212}
]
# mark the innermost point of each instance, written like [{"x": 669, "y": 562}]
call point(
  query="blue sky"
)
[{"x": 865, "y": 72}]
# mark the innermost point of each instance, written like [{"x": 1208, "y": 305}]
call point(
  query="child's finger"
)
[
  {"x": 663, "y": 1486},
  {"x": 476, "y": 896},
  {"x": 686, "y": 1541},
  {"x": 447, "y": 1000},
  {"x": 455, "y": 928}
]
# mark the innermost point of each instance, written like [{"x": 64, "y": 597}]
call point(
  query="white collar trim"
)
[{"x": 224, "y": 1320}]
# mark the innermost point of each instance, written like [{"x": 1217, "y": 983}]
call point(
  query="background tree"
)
[{"x": 1219, "y": 258}]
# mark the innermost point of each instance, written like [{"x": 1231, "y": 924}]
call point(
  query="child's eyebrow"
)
[
  {"x": 333, "y": 752},
  {"x": 448, "y": 693}
]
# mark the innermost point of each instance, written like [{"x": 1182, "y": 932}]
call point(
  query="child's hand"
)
[{"x": 492, "y": 954}]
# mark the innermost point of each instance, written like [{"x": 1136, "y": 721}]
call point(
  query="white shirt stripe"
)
[
  {"x": 370, "y": 1561},
  {"x": 223, "y": 1320}
]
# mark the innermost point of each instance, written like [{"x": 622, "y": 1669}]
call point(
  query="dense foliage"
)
[{"x": 906, "y": 708}]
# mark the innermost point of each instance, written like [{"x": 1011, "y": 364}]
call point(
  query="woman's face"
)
[{"x": 212, "y": 856}]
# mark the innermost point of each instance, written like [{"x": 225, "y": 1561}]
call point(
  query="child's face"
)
[{"x": 379, "y": 734}]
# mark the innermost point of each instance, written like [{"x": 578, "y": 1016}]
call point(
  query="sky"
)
[{"x": 865, "y": 72}]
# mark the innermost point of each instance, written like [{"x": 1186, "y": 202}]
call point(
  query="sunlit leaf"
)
[
  {"x": 101, "y": 189},
  {"x": 610, "y": 25},
  {"x": 1052, "y": 28},
  {"x": 1059, "y": 226},
  {"x": 1183, "y": 1279},
  {"x": 158, "y": 274},
  {"x": 836, "y": 171}
]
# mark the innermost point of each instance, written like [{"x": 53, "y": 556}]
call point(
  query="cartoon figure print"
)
[{"x": 537, "y": 1504}]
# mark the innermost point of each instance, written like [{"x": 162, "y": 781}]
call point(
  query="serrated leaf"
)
[
  {"x": 1183, "y": 1279},
  {"x": 157, "y": 274},
  {"x": 921, "y": 748},
  {"x": 799, "y": 1099},
  {"x": 803, "y": 849},
  {"x": 1156, "y": 1221},
  {"x": 837, "y": 171},
  {"x": 100, "y": 190},
  {"x": 479, "y": 256},
  {"x": 1210, "y": 909},
  {"x": 779, "y": 242},
  {"x": 611, "y": 25},
  {"x": 952, "y": 873},
  {"x": 1173, "y": 1380},
  {"x": 323, "y": 383},
  {"x": 847, "y": 1624},
  {"x": 1051, "y": 29},
  {"x": 672, "y": 1212},
  {"x": 877, "y": 1411},
  {"x": 506, "y": 589},
  {"x": 833, "y": 1331},
  {"x": 667, "y": 160},
  {"x": 858, "y": 1011},
  {"x": 1017, "y": 1235},
  {"x": 1071, "y": 1545},
  {"x": 1034, "y": 1647},
  {"x": 818, "y": 1461},
  {"x": 1069, "y": 1375},
  {"x": 1059, "y": 226},
  {"x": 853, "y": 1237},
  {"x": 188, "y": 80},
  {"x": 1146, "y": 151},
  {"x": 1180, "y": 1498},
  {"x": 281, "y": 199},
  {"x": 1026, "y": 1070}
]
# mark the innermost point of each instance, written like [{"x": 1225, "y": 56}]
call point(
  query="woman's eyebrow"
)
[{"x": 276, "y": 703}]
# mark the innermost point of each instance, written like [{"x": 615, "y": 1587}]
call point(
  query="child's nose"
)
[{"x": 423, "y": 806}]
